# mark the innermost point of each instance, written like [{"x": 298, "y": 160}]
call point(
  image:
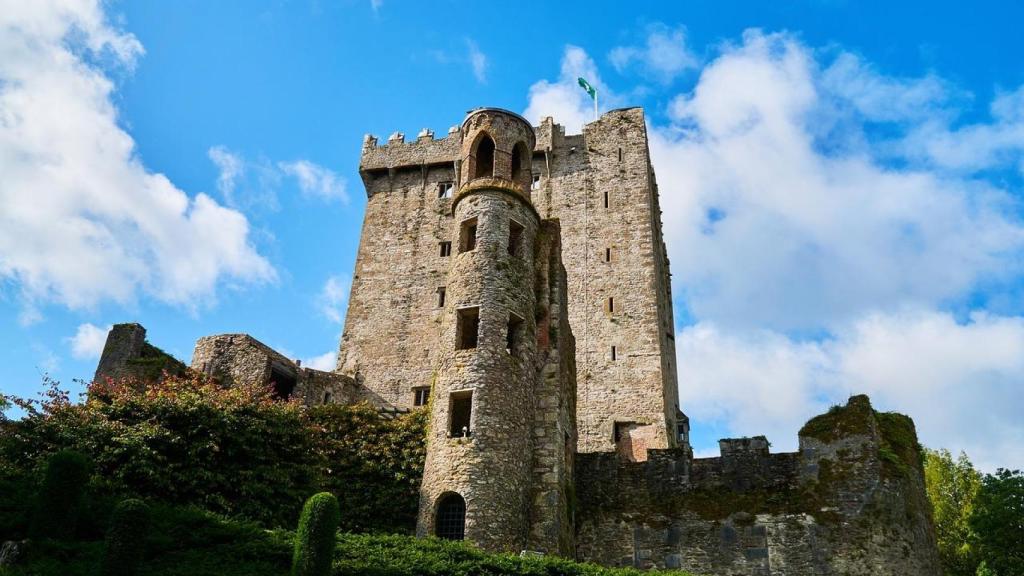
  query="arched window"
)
[
  {"x": 451, "y": 517},
  {"x": 518, "y": 161},
  {"x": 484, "y": 157}
]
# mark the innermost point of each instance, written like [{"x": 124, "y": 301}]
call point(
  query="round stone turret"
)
[{"x": 477, "y": 475}]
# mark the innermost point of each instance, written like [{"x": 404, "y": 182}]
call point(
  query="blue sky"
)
[{"x": 841, "y": 182}]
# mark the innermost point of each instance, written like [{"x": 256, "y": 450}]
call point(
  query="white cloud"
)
[
  {"x": 88, "y": 341},
  {"x": 776, "y": 220},
  {"x": 230, "y": 166},
  {"x": 663, "y": 57},
  {"x": 376, "y": 4},
  {"x": 84, "y": 220},
  {"x": 959, "y": 381},
  {"x": 333, "y": 297},
  {"x": 326, "y": 362},
  {"x": 478, "y": 60},
  {"x": 316, "y": 181},
  {"x": 563, "y": 99}
]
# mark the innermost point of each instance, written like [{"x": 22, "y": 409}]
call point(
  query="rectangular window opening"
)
[
  {"x": 535, "y": 184},
  {"x": 614, "y": 353},
  {"x": 467, "y": 328},
  {"x": 282, "y": 383},
  {"x": 607, "y": 254},
  {"x": 440, "y": 297},
  {"x": 446, "y": 249},
  {"x": 444, "y": 189},
  {"x": 460, "y": 410},
  {"x": 515, "y": 237},
  {"x": 514, "y": 333},
  {"x": 327, "y": 397},
  {"x": 420, "y": 395},
  {"x": 467, "y": 235},
  {"x": 605, "y": 198},
  {"x": 611, "y": 304},
  {"x": 620, "y": 154}
]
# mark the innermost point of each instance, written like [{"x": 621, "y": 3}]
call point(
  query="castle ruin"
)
[{"x": 514, "y": 281}]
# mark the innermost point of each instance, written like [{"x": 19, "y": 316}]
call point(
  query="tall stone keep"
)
[
  {"x": 479, "y": 479},
  {"x": 600, "y": 188}
]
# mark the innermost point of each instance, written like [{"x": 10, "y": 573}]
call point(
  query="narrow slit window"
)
[
  {"x": 605, "y": 198},
  {"x": 467, "y": 235},
  {"x": 446, "y": 249},
  {"x": 444, "y": 189},
  {"x": 620, "y": 154},
  {"x": 614, "y": 353},
  {"x": 440, "y": 297},
  {"x": 607, "y": 254},
  {"x": 420, "y": 396},
  {"x": 460, "y": 412},
  {"x": 467, "y": 328},
  {"x": 514, "y": 333},
  {"x": 515, "y": 237},
  {"x": 611, "y": 304}
]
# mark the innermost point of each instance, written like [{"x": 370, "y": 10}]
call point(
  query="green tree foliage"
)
[
  {"x": 61, "y": 496},
  {"x": 315, "y": 538},
  {"x": 998, "y": 521},
  {"x": 126, "y": 539},
  {"x": 234, "y": 451},
  {"x": 952, "y": 487}
]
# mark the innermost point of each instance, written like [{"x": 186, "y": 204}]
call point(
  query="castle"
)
[{"x": 514, "y": 280}]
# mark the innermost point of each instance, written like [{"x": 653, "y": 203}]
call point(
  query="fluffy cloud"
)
[
  {"x": 563, "y": 99},
  {"x": 316, "y": 181},
  {"x": 84, "y": 220},
  {"x": 326, "y": 361},
  {"x": 333, "y": 297},
  {"x": 478, "y": 60},
  {"x": 230, "y": 166},
  {"x": 88, "y": 341},
  {"x": 663, "y": 57}
]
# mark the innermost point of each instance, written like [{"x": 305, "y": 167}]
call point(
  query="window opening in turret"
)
[
  {"x": 620, "y": 154},
  {"x": 467, "y": 235},
  {"x": 467, "y": 328},
  {"x": 460, "y": 410},
  {"x": 514, "y": 333},
  {"x": 440, "y": 297},
  {"x": 451, "y": 517},
  {"x": 282, "y": 383},
  {"x": 484, "y": 158},
  {"x": 444, "y": 189},
  {"x": 535, "y": 185},
  {"x": 446, "y": 249},
  {"x": 611, "y": 305},
  {"x": 518, "y": 160},
  {"x": 515, "y": 237},
  {"x": 420, "y": 395},
  {"x": 607, "y": 254},
  {"x": 605, "y": 198}
]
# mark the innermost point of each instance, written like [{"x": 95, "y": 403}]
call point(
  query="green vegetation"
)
[
  {"x": 314, "y": 540},
  {"x": 153, "y": 363},
  {"x": 59, "y": 502},
  {"x": 125, "y": 545},
  {"x": 841, "y": 421},
  {"x": 998, "y": 522}
]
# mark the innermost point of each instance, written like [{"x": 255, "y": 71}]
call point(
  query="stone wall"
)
[
  {"x": 127, "y": 354},
  {"x": 850, "y": 502},
  {"x": 240, "y": 358}
]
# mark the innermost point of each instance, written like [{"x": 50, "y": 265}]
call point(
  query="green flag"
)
[{"x": 590, "y": 89}]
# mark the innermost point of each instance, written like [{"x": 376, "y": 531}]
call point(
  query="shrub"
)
[
  {"x": 60, "y": 499},
  {"x": 315, "y": 538},
  {"x": 126, "y": 539}
]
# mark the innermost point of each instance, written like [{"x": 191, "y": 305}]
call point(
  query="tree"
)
[
  {"x": 998, "y": 521},
  {"x": 952, "y": 487},
  {"x": 315, "y": 538}
]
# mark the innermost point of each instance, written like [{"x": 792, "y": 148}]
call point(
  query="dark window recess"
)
[
  {"x": 282, "y": 383},
  {"x": 622, "y": 430},
  {"x": 515, "y": 237},
  {"x": 613, "y": 353},
  {"x": 420, "y": 396},
  {"x": 611, "y": 304},
  {"x": 605, "y": 198},
  {"x": 444, "y": 189},
  {"x": 440, "y": 297},
  {"x": 514, "y": 333},
  {"x": 451, "y": 517},
  {"x": 519, "y": 158},
  {"x": 535, "y": 185},
  {"x": 446, "y": 249},
  {"x": 484, "y": 158},
  {"x": 467, "y": 235},
  {"x": 327, "y": 397},
  {"x": 607, "y": 254},
  {"x": 670, "y": 336},
  {"x": 620, "y": 154},
  {"x": 467, "y": 329},
  {"x": 460, "y": 414}
]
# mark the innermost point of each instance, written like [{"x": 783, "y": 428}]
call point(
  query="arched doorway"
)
[{"x": 450, "y": 522}]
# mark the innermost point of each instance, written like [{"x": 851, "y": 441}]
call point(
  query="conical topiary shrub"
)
[
  {"x": 60, "y": 498},
  {"x": 126, "y": 539},
  {"x": 315, "y": 538}
]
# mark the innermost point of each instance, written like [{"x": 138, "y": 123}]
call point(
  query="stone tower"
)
[{"x": 479, "y": 480}]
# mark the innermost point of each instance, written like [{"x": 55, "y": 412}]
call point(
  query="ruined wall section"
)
[
  {"x": 234, "y": 359},
  {"x": 127, "y": 354},
  {"x": 850, "y": 502},
  {"x": 392, "y": 326},
  {"x": 600, "y": 186}
]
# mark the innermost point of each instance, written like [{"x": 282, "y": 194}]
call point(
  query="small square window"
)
[
  {"x": 535, "y": 183},
  {"x": 446, "y": 249},
  {"x": 444, "y": 189},
  {"x": 420, "y": 396}
]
